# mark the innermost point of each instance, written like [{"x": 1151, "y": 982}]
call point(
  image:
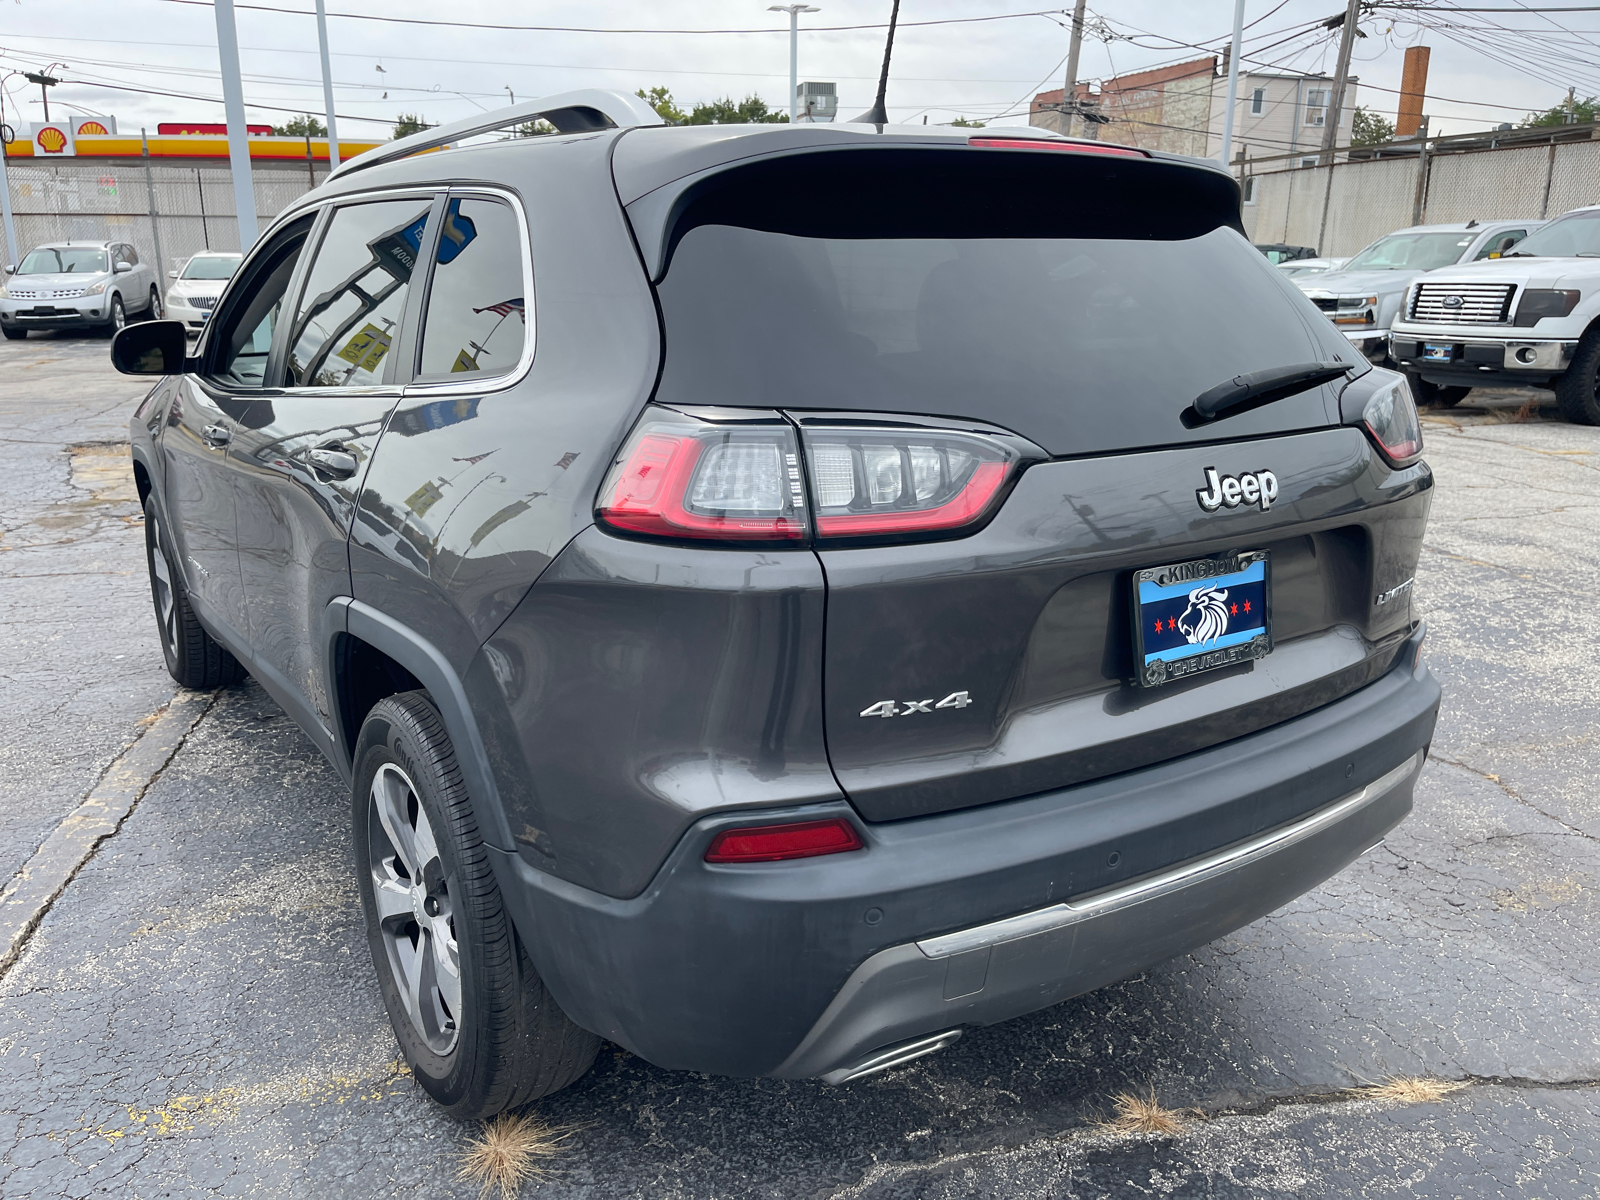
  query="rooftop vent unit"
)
[{"x": 818, "y": 101}]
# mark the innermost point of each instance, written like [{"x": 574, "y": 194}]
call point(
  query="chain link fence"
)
[
  {"x": 1368, "y": 198},
  {"x": 185, "y": 209}
]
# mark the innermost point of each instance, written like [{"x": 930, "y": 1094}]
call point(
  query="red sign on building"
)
[{"x": 173, "y": 128}]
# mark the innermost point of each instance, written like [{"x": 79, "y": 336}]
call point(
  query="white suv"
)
[{"x": 1529, "y": 317}]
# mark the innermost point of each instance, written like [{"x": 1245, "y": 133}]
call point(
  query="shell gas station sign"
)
[
  {"x": 58, "y": 139},
  {"x": 97, "y": 137}
]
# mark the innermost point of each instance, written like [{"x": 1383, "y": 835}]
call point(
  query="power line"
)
[{"x": 585, "y": 29}]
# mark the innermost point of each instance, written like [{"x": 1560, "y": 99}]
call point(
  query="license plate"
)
[
  {"x": 204, "y": 317},
  {"x": 1201, "y": 615},
  {"x": 1435, "y": 353}
]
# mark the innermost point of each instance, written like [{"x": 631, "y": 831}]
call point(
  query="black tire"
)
[
  {"x": 194, "y": 658},
  {"x": 1437, "y": 394},
  {"x": 447, "y": 936},
  {"x": 14, "y": 335},
  {"x": 119, "y": 316},
  {"x": 154, "y": 312},
  {"x": 1578, "y": 388}
]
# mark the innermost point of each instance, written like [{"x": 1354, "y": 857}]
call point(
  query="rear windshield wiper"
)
[{"x": 1245, "y": 392}]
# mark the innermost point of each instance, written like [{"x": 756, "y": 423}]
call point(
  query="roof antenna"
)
[{"x": 878, "y": 114}]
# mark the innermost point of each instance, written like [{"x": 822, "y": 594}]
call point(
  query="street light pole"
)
[
  {"x": 1233, "y": 82},
  {"x": 794, "y": 11},
  {"x": 327, "y": 85},
  {"x": 46, "y": 81},
  {"x": 244, "y": 193}
]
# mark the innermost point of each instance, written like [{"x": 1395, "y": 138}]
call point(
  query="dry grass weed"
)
[
  {"x": 1143, "y": 1114},
  {"x": 512, "y": 1150},
  {"x": 1413, "y": 1089}
]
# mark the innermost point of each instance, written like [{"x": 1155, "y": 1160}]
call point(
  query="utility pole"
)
[
  {"x": 46, "y": 81},
  {"x": 13, "y": 252},
  {"x": 1069, "y": 86},
  {"x": 327, "y": 85},
  {"x": 794, "y": 11},
  {"x": 244, "y": 192},
  {"x": 155, "y": 222},
  {"x": 1347, "y": 41},
  {"x": 1233, "y": 82}
]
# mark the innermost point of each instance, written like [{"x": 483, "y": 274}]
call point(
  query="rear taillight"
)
[
  {"x": 733, "y": 478},
  {"x": 773, "y": 843},
  {"x": 886, "y": 482},
  {"x": 736, "y": 475},
  {"x": 1390, "y": 418}
]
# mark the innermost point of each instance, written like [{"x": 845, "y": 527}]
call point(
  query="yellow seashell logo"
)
[
  {"x": 91, "y": 127},
  {"x": 52, "y": 141}
]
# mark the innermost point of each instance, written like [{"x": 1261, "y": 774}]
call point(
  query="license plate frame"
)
[
  {"x": 1438, "y": 352},
  {"x": 1206, "y": 632}
]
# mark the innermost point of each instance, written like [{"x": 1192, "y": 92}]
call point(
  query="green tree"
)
[
  {"x": 660, "y": 99},
  {"x": 1582, "y": 110},
  {"x": 963, "y": 123},
  {"x": 752, "y": 110},
  {"x": 306, "y": 126},
  {"x": 409, "y": 123},
  {"x": 1368, "y": 128}
]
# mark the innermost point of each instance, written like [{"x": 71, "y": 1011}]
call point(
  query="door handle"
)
[
  {"x": 217, "y": 435},
  {"x": 335, "y": 461}
]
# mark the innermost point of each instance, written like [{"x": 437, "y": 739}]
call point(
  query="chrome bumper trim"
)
[
  {"x": 1099, "y": 904},
  {"x": 894, "y": 1056}
]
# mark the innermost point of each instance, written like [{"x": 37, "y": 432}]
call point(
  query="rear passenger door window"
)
[
  {"x": 349, "y": 314},
  {"x": 477, "y": 316}
]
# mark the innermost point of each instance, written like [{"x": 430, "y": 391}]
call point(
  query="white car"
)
[
  {"x": 195, "y": 287},
  {"x": 1531, "y": 316}
]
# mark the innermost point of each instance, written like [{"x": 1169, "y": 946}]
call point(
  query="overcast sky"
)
[{"x": 976, "y": 69}]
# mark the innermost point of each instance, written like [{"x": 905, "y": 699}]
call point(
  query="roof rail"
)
[{"x": 570, "y": 112}]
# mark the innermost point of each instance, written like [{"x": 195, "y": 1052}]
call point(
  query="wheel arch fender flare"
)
[{"x": 444, "y": 686}]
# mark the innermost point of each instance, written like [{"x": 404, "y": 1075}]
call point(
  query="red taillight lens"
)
[
  {"x": 995, "y": 143},
  {"x": 883, "y": 482},
  {"x": 772, "y": 843},
  {"x": 1390, "y": 418},
  {"x": 684, "y": 477}
]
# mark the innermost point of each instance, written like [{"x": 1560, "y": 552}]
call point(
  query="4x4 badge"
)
[
  {"x": 887, "y": 708},
  {"x": 1230, "y": 491}
]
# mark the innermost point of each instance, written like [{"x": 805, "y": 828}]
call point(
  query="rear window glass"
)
[
  {"x": 477, "y": 314},
  {"x": 1082, "y": 344}
]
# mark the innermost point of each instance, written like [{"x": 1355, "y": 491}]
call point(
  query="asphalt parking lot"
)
[{"x": 196, "y": 1014}]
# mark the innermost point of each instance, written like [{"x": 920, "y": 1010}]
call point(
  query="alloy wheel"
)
[
  {"x": 161, "y": 588},
  {"x": 119, "y": 315},
  {"x": 416, "y": 913},
  {"x": 157, "y": 309}
]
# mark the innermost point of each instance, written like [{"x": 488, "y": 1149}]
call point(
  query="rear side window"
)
[
  {"x": 1500, "y": 243},
  {"x": 355, "y": 295},
  {"x": 477, "y": 313}
]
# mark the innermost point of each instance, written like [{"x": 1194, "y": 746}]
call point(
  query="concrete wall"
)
[{"x": 1370, "y": 198}]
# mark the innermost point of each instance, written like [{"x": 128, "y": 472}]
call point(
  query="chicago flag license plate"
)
[{"x": 1201, "y": 615}]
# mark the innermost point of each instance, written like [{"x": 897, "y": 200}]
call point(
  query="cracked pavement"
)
[{"x": 197, "y": 1015}]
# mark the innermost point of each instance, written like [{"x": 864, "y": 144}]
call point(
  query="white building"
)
[{"x": 1280, "y": 114}]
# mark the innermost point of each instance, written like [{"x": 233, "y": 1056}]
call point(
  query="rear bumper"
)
[{"x": 808, "y": 968}]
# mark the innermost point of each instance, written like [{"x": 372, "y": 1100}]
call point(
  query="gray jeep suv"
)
[{"x": 782, "y": 596}]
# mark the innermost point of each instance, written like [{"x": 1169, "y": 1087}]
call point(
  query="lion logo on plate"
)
[{"x": 1206, "y": 618}]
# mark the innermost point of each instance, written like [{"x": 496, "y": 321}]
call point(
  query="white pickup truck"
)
[{"x": 1531, "y": 317}]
